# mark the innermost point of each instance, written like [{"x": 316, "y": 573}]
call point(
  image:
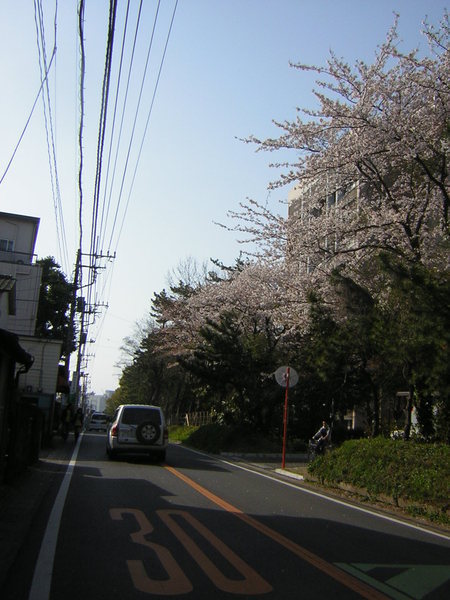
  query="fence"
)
[{"x": 198, "y": 418}]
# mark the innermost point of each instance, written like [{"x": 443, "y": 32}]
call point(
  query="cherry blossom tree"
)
[
  {"x": 371, "y": 174},
  {"x": 382, "y": 129},
  {"x": 369, "y": 177}
]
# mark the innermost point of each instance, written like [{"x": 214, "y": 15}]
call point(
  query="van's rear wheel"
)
[{"x": 148, "y": 432}]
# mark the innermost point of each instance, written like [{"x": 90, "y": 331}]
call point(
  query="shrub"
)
[{"x": 413, "y": 471}]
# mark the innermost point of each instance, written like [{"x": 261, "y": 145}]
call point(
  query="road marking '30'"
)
[{"x": 177, "y": 582}]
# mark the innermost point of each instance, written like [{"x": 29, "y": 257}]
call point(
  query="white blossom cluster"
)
[{"x": 370, "y": 175}]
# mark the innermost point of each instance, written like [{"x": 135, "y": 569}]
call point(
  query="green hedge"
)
[{"x": 408, "y": 470}]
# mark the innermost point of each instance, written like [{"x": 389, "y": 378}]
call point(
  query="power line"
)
[
  {"x": 102, "y": 124},
  {"x": 146, "y": 126},
  {"x": 98, "y": 226},
  {"x": 30, "y": 115},
  {"x": 81, "y": 123},
  {"x": 50, "y": 137},
  {"x": 124, "y": 106},
  {"x": 105, "y": 213}
]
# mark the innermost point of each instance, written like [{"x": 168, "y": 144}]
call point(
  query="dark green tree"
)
[
  {"x": 233, "y": 365},
  {"x": 399, "y": 334},
  {"x": 152, "y": 376},
  {"x": 332, "y": 379},
  {"x": 419, "y": 307},
  {"x": 55, "y": 296}
]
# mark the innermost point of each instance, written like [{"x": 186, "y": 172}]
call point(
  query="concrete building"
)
[
  {"x": 19, "y": 271},
  {"x": 97, "y": 402},
  {"x": 307, "y": 202},
  {"x": 28, "y": 392}
]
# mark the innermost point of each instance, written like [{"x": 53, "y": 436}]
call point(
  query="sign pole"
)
[
  {"x": 283, "y": 462},
  {"x": 285, "y": 377}
]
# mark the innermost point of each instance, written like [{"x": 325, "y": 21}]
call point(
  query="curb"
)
[
  {"x": 299, "y": 458},
  {"x": 289, "y": 474}
]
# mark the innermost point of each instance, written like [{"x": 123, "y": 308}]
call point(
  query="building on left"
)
[{"x": 29, "y": 366}]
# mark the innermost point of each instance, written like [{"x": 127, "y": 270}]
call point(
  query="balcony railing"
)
[{"x": 19, "y": 258}]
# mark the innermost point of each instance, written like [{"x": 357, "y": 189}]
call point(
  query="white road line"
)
[
  {"x": 42, "y": 578},
  {"x": 325, "y": 497}
]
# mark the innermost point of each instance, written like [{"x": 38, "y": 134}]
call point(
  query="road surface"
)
[{"x": 198, "y": 527}]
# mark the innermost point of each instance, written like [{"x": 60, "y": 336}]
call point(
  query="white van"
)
[
  {"x": 137, "y": 429},
  {"x": 98, "y": 422}
]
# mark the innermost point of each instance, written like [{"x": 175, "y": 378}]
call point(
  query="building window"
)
[{"x": 6, "y": 245}]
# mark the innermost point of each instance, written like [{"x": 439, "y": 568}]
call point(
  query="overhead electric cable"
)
[
  {"x": 50, "y": 136},
  {"x": 81, "y": 123},
  {"x": 125, "y": 102},
  {"x": 98, "y": 230},
  {"x": 134, "y": 125},
  {"x": 102, "y": 129},
  {"x": 106, "y": 212},
  {"x": 30, "y": 115},
  {"x": 147, "y": 122},
  {"x": 95, "y": 241}
]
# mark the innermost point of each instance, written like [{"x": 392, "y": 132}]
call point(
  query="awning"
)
[
  {"x": 8, "y": 285},
  {"x": 9, "y": 345}
]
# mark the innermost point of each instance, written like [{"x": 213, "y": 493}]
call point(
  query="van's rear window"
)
[{"x": 136, "y": 416}]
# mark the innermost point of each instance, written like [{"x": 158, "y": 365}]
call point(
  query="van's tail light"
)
[
  {"x": 114, "y": 430},
  {"x": 166, "y": 434}
]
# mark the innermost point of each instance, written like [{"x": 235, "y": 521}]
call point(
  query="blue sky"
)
[{"x": 226, "y": 75}]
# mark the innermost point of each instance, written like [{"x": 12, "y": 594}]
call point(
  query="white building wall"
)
[
  {"x": 18, "y": 234},
  {"x": 28, "y": 281},
  {"x": 17, "y": 242},
  {"x": 43, "y": 375}
]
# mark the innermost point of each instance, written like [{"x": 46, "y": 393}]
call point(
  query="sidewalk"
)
[
  {"x": 295, "y": 464},
  {"x": 20, "y": 500}
]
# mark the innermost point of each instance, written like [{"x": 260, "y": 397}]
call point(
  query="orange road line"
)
[{"x": 329, "y": 569}]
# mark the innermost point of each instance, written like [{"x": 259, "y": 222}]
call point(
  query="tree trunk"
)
[
  {"x": 409, "y": 407},
  {"x": 376, "y": 410}
]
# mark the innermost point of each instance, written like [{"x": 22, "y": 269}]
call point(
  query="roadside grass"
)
[{"x": 180, "y": 433}]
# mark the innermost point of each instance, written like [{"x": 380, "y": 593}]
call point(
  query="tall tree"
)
[
  {"x": 234, "y": 360},
  {"x": 55, "y": 296},
  {"x": 381, "y": 127},
  {"x": 416, "y": 300}
]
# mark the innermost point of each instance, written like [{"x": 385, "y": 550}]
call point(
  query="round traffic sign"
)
[{"x": 281, "y": 376}]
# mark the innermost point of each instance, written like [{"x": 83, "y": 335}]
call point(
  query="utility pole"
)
[
  {"x": 71, "y": 327},
  {"x": 79, "y": 305}
]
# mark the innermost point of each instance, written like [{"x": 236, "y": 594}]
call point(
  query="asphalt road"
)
[{"x": 198, "y": 527}]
